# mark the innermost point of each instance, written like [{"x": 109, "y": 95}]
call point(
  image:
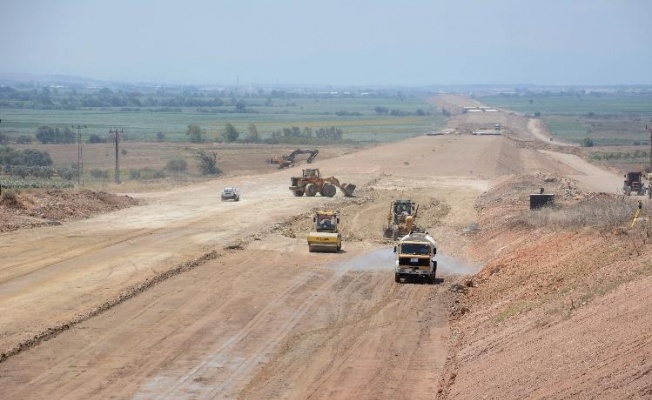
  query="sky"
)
[{"x": 335, "y": 42}]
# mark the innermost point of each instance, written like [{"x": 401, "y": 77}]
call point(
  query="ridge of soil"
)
[
  {"x": 554, "y": 313},
  {"x": 34, "y": 208}
]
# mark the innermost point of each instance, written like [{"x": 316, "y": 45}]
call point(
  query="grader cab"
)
[{"x": 401, "y": 219}]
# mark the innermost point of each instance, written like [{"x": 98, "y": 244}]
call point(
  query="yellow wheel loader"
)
[
  {"x": 326, "y": 236},
  {"x": 312, "y": 183}
]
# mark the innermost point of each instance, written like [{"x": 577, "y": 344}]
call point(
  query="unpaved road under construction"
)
[{"x": 187, "y": 297}]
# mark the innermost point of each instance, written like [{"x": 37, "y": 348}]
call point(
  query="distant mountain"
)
[{"x": 42, "y": 79}]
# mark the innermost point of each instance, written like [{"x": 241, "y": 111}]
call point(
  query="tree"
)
[
  {"x": 195, "y": 133},
  {"x": 207, "y": 163},
  {"x": 253, "y": 135},
  {"x": 587, "y": 142},
  {"x": 230, "y": 134},
  {"x": 381, "y": 110},
  {"x": 45, "y": 134},
  {"x": 95, "y": 138}
]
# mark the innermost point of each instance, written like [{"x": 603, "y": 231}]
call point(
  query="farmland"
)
[
  {"x": 154, "y": 125},
  {"x": 608, "y": 119},
  {"x": 357, "y": 116}
]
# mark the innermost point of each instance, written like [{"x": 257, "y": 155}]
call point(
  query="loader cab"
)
[{"x": 311, "y": 173}]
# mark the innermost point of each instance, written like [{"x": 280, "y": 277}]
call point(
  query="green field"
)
[
  {"x": 358, "y": 120},
  {"x": 608, "y": 119}
]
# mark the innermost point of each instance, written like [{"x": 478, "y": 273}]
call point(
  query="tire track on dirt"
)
[{"x": 259, "y": 322}]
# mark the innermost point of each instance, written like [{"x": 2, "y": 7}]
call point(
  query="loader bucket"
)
[{"x": 348, "y": 189}]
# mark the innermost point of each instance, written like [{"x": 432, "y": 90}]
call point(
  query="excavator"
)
[
  {"x": 326, "y": 236},
  {"x": 286, "y": 161}
]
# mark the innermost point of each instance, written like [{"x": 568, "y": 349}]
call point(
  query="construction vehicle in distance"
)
[
  {"x": 634, "y": 183},
  {"x": 415, "y": 257},
  {"x": 285, "y": 161},
  {"x": 311, "y": 183},
  {"x": 326, "y": 236},
  {"x": 400, "y": 220}
]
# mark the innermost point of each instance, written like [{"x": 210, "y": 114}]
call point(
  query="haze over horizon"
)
[{"x": 382, "y": 42}]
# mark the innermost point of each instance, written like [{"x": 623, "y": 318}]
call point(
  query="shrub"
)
[
  {"x": 176, "y": 165},
  {"x": 609, "y": 212},
  {"x": 9, "y": 198},
  {"x": 208, "y": 163},
  {"x": 99, "y": 174}
]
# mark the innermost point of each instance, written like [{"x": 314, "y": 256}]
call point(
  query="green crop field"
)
[
  {"x": 154, "y": 125},
  {"x": 608, "y": 119},
  {"x": 355, "y": 116}
]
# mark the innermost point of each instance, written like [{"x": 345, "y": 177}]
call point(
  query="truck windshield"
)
[{"x": 415, "y": 248}]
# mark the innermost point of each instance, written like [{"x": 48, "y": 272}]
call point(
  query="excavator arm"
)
[{"x": 285, "y": 161}]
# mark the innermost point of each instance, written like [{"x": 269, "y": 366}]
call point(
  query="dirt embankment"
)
[
  {"x": 557, "y": 312},
  {"x": 31, "y": 209}
]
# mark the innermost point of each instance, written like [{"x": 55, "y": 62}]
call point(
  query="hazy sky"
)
[{"x": 338, "y": 42}]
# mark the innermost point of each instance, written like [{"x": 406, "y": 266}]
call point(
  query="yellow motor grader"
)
[
  {"x": 326, "y": 236},
  {"x": 401, "y": 219}
]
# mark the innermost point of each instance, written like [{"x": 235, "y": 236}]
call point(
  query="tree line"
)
[{"x": 293, "y": 134}]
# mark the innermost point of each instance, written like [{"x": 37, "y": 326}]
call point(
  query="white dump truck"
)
[{"x": 415, "y": 257}]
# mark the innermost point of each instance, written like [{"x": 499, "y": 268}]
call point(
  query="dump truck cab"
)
[
  {"x": 634, "y": 183},
  {"x": 415, "y": 257},
  {"x": 326, "y": 235}
]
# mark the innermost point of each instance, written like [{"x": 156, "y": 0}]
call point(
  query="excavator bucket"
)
[{"x": 348, "y": 189}]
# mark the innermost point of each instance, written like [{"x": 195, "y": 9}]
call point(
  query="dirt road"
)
[{"x": 189, "y": 297}]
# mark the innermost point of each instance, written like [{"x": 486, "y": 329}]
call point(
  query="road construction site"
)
[{"x": 188, "y": 297}]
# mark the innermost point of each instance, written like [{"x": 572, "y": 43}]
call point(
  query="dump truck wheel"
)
[
  {"x": 431, "y": 278},
  {"x": 397, "y": 278},
  {"x": 298, "y": 193},
  {"x": 311, "y": 189},
  {"x": 328, "y": 190},
  {"x": 311, "y": 249}
]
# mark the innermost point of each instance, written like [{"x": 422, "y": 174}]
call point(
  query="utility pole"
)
[
  {"x": 650, "y": 130},
  {"x": 80, "y": 159},
  {"x": 116, "y": 134}
]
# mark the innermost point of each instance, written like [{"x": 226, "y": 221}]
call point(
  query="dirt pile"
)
[
  {"x": 556, "y": 312},
  {"x": 50, "y": 207},
  {"x": 362, "y": 217}
]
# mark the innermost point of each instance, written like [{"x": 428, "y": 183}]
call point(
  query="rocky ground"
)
[{"x": 34, "y": 208}]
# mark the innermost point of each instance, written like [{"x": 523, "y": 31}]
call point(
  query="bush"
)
[
  {"x": 24, "y": 139},
  {"x": 9, "y": 198},
  {"x": 176, "y": 165},
  {"x": 99, "y": 174},
  {"x": 208, "y": 163},
  {"x": 607, "y": 212},
  {"x": 67, "y": 173}
]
